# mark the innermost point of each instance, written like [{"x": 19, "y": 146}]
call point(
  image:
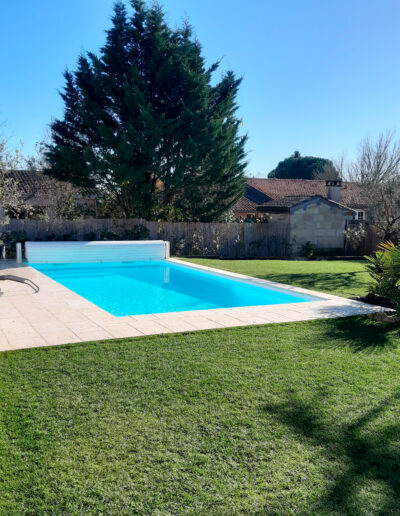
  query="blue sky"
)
[{"x": 318, "y": 75}]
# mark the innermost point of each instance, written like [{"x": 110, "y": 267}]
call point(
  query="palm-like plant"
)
[{"x": 384, "y": 269}]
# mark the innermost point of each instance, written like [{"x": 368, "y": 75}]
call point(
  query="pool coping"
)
[{"x": 56, "y": 315}]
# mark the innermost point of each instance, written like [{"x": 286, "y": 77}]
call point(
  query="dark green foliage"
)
[
  {"x": 66, "y": 237},
  {"x": 144, "y": 123},
  {"x": 9, "y": 239},
  {"x": 138, "y": 232},
  {"x": 108, "y": 235},
  {"x": 329, "y": 252},
  {"x": 384, "y": 269},
  {"x": 304, "y": 167},
  {"x": 89, "y": 236},
  {"x": 307, "y": 250}
]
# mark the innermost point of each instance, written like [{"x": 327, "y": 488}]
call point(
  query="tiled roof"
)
[
  {"x": 251, "y": 199},
  {"x": 351, "y": 193},
  {"x": 285, "y": 203},
  {"x": 32, "y": 183},
  {"x": 245, "y": 205}
]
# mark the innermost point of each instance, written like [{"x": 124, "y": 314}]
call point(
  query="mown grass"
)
[
  {"x": 339, "y": 277},
  {"x": 284, "y": 419}
]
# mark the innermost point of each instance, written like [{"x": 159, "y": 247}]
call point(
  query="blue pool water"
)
[{"x": 133, "y": 288}]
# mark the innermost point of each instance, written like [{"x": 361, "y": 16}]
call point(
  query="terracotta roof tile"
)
[
  {"x": 351, "y": 193},
  {"x": 245, "y": 205},
  {"x": 285, "y": 203},
  {"x": 251, "y": 199}
]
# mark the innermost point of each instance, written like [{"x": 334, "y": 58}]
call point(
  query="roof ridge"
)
[{"x": 344, "y": 181}]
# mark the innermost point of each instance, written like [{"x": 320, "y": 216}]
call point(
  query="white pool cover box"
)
[{"x": 107, "y": 251}]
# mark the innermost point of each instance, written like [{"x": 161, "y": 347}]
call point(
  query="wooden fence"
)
[
  {"x": 367, "y": 246},
  {"x": 226, "y": 240}
]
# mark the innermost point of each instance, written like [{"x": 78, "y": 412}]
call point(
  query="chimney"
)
[{"x": 333, "y": 187}]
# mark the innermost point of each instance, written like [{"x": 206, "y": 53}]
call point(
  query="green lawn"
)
[
  {"x": 284, "y": 419},
  {"x": 342, "y": 277}
]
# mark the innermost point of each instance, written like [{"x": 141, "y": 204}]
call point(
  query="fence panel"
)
[
  {"x": 367, "y": 246},
  {"x": 227, "y": 240}
]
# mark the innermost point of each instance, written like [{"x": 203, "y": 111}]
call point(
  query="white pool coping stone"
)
[{"x": 56, "y": 315}]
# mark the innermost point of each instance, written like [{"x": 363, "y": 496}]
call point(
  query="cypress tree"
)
[{"x": 143, "y": 121}]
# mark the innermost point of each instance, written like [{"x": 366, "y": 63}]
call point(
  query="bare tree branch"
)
[
  {"x": 377, "y": 168},
  {"x": 11, "y": 198}
]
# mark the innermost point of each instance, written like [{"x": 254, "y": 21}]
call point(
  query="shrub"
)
[
  {"x": 89, "y": 237},
  {"x": 10, "y": 238},
  {"x": 355, "y": 235},
  {"x": 198, "y": 247},
  {"x": 255, "y": 248},
  {"x": 108, "y": 235},
  {"x": 384, "y": 269},
  {"x": 307, "y": 250},
  {"x": 66, "y": 237},
  {"x": 49, "y": 237},
  {"x": 138, "y": 232},
  {"x": 328, "y": 252},
  {"x": 179, "y": 244}
]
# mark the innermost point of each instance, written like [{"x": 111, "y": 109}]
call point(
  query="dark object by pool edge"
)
[{"x": 18, "y": 279}]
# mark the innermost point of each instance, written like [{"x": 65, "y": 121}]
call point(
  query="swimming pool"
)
[{"x": 147, "y": 287}]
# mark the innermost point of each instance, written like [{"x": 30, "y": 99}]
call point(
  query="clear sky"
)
[{"x": 319, "y": 75}]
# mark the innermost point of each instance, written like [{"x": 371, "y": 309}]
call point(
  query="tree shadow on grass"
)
[
  {"x": 327, "y": 282},
  {"x": 366, "y": 454},
  {"x": 361, "y": 334}
]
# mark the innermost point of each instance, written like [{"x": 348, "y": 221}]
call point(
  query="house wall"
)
[
  {"x": 320, "y": 223},
  {"x": 280, "y": 217}
]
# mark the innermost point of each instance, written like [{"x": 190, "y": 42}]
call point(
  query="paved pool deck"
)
[{"x": 55, "y": 315}]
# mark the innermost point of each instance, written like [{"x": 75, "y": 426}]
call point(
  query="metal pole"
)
[
  {"x": 19, "y": 253},
  {"x": 167, "y": 250}
]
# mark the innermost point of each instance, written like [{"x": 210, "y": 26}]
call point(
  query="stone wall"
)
[{"x": 320, "y": 223}]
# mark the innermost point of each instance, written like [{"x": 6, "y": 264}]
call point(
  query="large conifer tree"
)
[{"x": 144, "y": 121}]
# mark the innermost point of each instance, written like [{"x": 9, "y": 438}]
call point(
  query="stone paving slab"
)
[{"x": 56, "y": 315}]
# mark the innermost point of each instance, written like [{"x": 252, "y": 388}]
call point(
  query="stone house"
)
[
  {"x": 260, "y": 190},
  {"x": 316, "y": 211},
  {"x": 314, "y": 219}
]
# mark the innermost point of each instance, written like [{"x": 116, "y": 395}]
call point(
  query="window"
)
[{"x": 360, "y": 215}]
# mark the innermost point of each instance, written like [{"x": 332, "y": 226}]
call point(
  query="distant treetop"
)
[{"x": 304, "y": 167}]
